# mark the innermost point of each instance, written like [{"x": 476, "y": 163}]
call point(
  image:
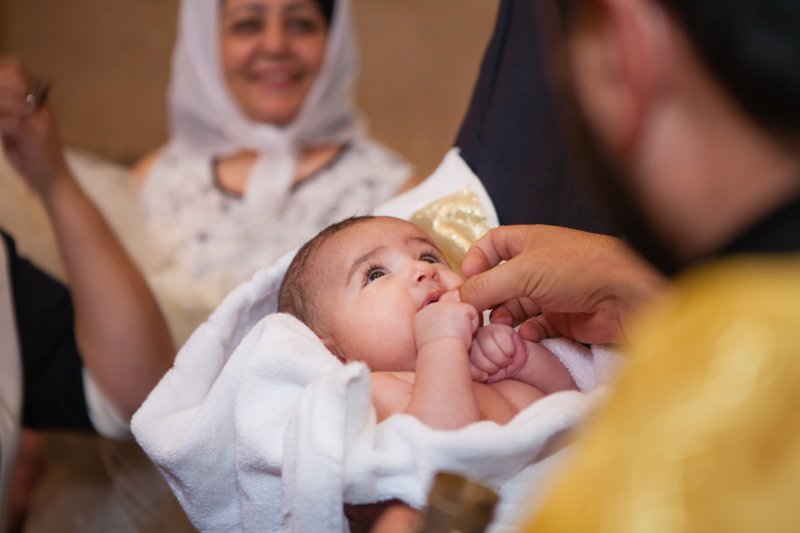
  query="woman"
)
[{"x": 266, "y": 146}]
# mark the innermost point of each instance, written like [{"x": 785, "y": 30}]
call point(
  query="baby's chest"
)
[{"x": 502, "y": 401}]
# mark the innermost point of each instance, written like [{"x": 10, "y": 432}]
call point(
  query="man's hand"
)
[{"x": 557, "y": 282}]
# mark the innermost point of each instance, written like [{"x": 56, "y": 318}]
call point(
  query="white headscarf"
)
[{"x": 204, "y": 115}]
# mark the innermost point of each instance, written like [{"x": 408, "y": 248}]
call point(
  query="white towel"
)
[{"x": 259, "y": 427}]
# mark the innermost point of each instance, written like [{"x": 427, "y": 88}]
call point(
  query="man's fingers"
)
[
  {"x": 505, "y": 282},
  {"x": 536, "y": 329},
  {"x": 490, "y": 288},
  {"x": 499, "y": 244},
  {"x": 474, "y": 262},
  {"x": 450, "y": 296},
  {"x": 514, "y": 312},
  {"x": 486, "y": 252},
  {"x": 501, "y": 315}
]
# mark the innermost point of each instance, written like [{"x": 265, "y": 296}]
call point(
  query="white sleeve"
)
[{"x": 104, "y": 415}]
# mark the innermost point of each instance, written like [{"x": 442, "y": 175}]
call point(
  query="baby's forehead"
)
[
  {"x": 379, "y": 231},
  {"x": 374, "y": 234}
]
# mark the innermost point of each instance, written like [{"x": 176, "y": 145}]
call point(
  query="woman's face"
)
[{"x": 271, "y": 53}]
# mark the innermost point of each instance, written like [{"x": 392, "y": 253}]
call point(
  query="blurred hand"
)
[
  {"x": 399, "y": 518},
  {"x": 557, "y": 282},
  {"x": 30, "y": 139}
]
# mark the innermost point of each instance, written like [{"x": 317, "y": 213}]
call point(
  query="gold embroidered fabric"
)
[
  {"x": 701, "y": 433},
  {"x": 454, "y": 222}
]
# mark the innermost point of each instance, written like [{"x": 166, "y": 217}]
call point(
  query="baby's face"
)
[{"x": 382, "y": 272}]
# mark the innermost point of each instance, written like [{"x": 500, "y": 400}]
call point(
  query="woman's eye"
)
[
  {"x": 374, "y": 274},
  {"x": 302, "y": 25},
  {"x": 246, "y": 26},
  {"x": 429, "y": 258}
]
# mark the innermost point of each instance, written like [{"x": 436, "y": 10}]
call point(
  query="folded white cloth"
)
[{"x": 259, "y": 427}]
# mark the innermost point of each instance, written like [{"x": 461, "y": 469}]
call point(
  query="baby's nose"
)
[{"x": 426, "y": 271}]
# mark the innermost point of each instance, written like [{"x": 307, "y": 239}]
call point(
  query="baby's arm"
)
[
  {"x": 443, "y": 396},
  {"x": 498, "y": 352}
]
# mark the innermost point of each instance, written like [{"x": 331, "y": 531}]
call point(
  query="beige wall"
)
[{"x": 109, "y": 62}]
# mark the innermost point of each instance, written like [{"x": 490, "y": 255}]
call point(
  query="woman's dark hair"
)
[
  {"x": 327, "y": 9},
  {"x": 752, "y": 47},
  {"x": 326, "y": 6}
]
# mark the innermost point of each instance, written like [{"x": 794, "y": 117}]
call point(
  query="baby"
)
[{"x": 377, "y": 290}]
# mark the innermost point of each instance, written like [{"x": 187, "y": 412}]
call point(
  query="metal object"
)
[
  {"x": 457, "y": 504},
  {"x": 37, "y": 96}
]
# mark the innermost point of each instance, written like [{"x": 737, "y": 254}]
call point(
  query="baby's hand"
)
[
  {"x": 445, "y": 318},
  {"x": 497, "y": 353}
]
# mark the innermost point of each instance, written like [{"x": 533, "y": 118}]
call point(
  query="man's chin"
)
[{"x": 614, "y": 186}]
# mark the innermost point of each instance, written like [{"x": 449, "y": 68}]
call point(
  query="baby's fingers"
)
[
  {"x": 503, "y": 339},
  {"x": 479, "y": 360},
  {"x": 492, "y": 351},
  {"x": 537, "y": 329},
  {"x": 477, "y": 374}
]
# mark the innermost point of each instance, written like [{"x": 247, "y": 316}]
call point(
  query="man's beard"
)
[{"x": 614, "y": 187}]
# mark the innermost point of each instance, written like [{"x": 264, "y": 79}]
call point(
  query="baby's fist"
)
[
  {"x": 445, "y": 319},
  {"x": 496, "y": 353}
]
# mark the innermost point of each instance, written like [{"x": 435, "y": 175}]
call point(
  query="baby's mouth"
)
[{"x": 432, "y": 297}]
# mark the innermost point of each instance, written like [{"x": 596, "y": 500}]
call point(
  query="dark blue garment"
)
[
  {"x": 777, "y": 233},
  {"x": 52, "y": 390},
  {"x": 511, "y": 137}
]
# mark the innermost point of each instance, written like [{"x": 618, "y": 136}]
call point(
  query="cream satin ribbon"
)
[{"x": 454, "y": 223}]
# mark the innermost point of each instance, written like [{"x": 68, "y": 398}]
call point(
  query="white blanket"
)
[{"x": 259, "y": 427}]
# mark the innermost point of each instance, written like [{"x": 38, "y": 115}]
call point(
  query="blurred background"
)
[{"x": 109, "y": 63}]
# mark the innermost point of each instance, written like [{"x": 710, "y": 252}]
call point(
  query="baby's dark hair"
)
[{"x": 299, "y": 291}]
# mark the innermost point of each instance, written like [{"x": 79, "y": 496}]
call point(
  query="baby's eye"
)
[
  {"x": 373, "y": 274},
  {"x": 429, "y": 258}
]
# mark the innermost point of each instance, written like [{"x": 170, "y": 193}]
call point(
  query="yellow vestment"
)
[{"x": 702, "y": 430}]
